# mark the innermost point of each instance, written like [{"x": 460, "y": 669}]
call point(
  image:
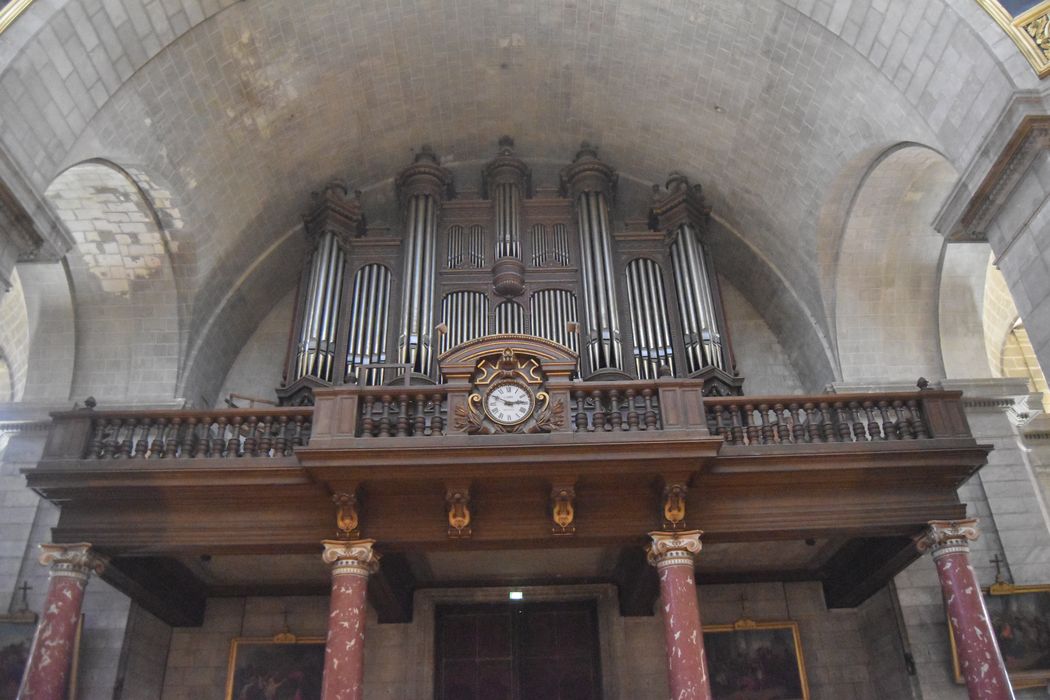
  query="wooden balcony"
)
[{"x": 862, "y": 472}]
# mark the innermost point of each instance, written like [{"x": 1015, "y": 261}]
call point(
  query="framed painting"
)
[
  {"x": 751, "y": 660},
  {"x": 1020, "y": 618},
  {"x": 1027, "y": 22},
  {"x": 16, "y": 636},
  {"x": 283, "y": 667}
]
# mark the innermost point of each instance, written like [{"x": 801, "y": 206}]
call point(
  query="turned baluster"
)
[
  {"x": 192, "y": 441},
  {"x": 266, "y": 436},
  {"x": 437, "y": 422},
  {"x": 615, "y": 417},
  {"x": 715, "y": 416},
  {"x": 889, "y": 430},
  {"x": 384, "y": 416},
  {"x": 813, "y": 422},
  {"x": 781, "y": 422},
  {"x": 750, "y": 428},
  {"x": 142, "y": 444},
  {"x": 632, "y": 410},
  {"x": 903, "y": 422},
  {"x": 305, "y": 430},
  {"x": 298, "y": 428},
  {"x": 873, "y": 423},
  {"x": 401, "y": 407},
  {"x": 280, "y": 442},
  {"x": 156, "y": 446},
  {"x": 798, "y": 429},
  {"x": 95, "y": 447},
  {"x": 651, "y": 417},
  {"x": 233, "y": 446},
  {"x": 842, "y": 421},
  {"x": 123, "y": 446},
  {"x": 579, "y": 420},
  {"x": 218, "y": 440},
  {"x": 827, "y": 426},
  {"x": 599, "y": 411},
  {"x": 766, "y": 424},
  {"x": 248, "y": 446},
  {"x": 918, "y": 425},
  {"x": 859, "y": 433},
  {"x": 171, "y": 440},
  {"x": 109, "y": 441},
  {"x": 419, "y": 425},
  {"x": 203, "y": 448},
  {"x": 738, "y": 424},
  {"x": 368, "y": 423}
]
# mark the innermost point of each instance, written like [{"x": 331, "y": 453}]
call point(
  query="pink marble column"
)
[
  {"x": 344, "y": 653},
  {"x": 672, "y": 554},
  {"x": 51, "y": 656},
  {"x": 979, "y": 658}
]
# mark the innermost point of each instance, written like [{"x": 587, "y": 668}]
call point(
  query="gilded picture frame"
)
[
  {"x": 1028, "y": 26},
  {"x": 278, "y": 666},
  {"x": 737, "y": 652},
  {"x": 1016, "y": 612}
]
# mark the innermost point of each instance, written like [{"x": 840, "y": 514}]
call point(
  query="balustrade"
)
[
  {"x": 620, "y": 407},
  {"x": 389, "y": 413},
  {"x": 826, "y": 419},
  {"x": 251, "y": 433}
]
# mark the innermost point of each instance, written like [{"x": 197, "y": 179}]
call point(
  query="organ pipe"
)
[
  {"x": 510, "y": 318},
  {"x": 333, "y": 219},
  {"x": 369, "y": 310},
  {"x": 506, "y": 181},
  {"x": 465, "y": 315},
  {"x": 591, "y": 183},
  {"x": 422, "y": 187},
  {"x": 649, "y": 321},
  {"x": 552, "y": 310}
]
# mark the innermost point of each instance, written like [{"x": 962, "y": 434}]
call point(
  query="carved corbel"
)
[
  {"x": 675, "y": 489},
  {"x": 457, "y": 501},
  {"x": 563, "y": 509},
  {"x": 346, "y": 517}
]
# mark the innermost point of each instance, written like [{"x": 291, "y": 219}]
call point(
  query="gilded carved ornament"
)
[
  {"x": 563, "y": 511},
  {"x": 674, "y": 505},
  {"x": 1029, "y": 30},
  {"x": 457, "y": 500},
  {"x": 346, "y": 518}
]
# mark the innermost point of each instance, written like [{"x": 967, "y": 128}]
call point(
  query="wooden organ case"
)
[{"x": 634, "y": 298}]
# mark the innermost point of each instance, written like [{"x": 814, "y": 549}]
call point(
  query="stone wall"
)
[
  {"x": 838, "y": 646},
  {"x": 257, "y": 370}
]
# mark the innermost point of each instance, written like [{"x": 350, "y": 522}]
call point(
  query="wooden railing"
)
[
  {"x": 426, "y": 412},
  {"x": 153, "y": 434},
  {"x": 830, "y": 418}
]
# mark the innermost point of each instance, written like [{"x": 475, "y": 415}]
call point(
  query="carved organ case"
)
[{"x": 632, "y": 300}]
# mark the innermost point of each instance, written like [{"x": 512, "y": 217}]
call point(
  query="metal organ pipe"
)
[
  {"x": 551, "y": 311},
  {"x": 320, "y": 315},
  {"x": 508, "y": 218},
  {"x": 422, "y": 186},
  {"x": 368, "y": 323},
  {"x": 696, "y": 304}
]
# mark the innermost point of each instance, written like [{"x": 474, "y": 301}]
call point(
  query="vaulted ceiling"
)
[{"x": 234, "y": 111}]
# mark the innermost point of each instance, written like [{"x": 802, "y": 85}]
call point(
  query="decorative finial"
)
[
  {"x": 90, "y": 403},
  {"x": 506, "y": 145},
  {"x": 923, "y": 383}
]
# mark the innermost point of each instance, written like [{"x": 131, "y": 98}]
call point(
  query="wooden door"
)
[{"x": 534, "y": 651}]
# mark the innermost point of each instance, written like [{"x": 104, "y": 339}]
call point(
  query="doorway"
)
[{"x": 530, "y": 651}]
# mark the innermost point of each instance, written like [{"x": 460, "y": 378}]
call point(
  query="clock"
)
[{"x": 509, "y": 403}]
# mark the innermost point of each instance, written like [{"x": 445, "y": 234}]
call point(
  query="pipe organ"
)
[{"x": 583, "y": 275}]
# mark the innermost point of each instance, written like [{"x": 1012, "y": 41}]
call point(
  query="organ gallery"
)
[{"x": 477, "y": 351}]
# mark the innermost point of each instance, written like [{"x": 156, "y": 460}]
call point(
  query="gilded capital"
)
[
  {"x": 74, "y": 560},
  {"x": 352, "y": 557},
  {"x": 948, "y": 537},
  {"x": 674, "y": 548}
]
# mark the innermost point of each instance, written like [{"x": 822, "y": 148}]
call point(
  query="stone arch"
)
[
  {"x": 14, "y": 341},
  {"x": 887, "y": 270},
  {"x": 123, "y": 282}
]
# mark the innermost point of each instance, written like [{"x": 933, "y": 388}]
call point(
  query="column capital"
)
[
  {"x": 673, "y": 548},
  {"x": 351, "y": 557},
  {"x": 73, "y": 560},
  {"x": 679, "y": 203},
  {"x": 588, "y": 173},
  {"x": 948, "y": 537}
]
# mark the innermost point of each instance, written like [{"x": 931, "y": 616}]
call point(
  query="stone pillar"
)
[
  {"x": 344, "y": 654},
  {"x": 979, "y": 658},
  {"x": 51, "y": 657},
  {"x": 672, "y": 554}
]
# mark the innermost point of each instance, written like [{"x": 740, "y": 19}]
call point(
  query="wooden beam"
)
[
  {"x": 391, "y": 588},
  {"x": 636, "y": 579},
  {"x": 863, "y": 566},
  {"x": 163, "y": 587}
]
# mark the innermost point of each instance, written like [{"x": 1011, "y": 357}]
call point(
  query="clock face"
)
[{"x": 509, "y": 403}]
